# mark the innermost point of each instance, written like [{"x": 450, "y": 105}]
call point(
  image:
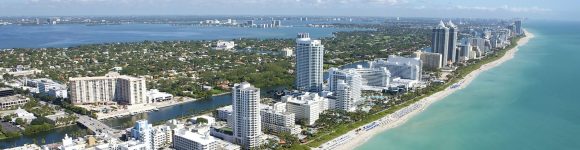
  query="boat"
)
[{"x": 156, "y": 109}]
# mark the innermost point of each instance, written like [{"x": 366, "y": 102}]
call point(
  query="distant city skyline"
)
[{"x": 535, "y": 9}]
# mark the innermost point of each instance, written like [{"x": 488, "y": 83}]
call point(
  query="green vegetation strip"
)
[{"x": 460, "y": 72}]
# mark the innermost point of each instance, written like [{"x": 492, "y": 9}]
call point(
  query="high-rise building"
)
[
  {"x": 246, "y": 122},
  {"x": 109, "y": 88},
  {"x": 482, "y": 50},
  {"x": 309, "y": 63},
  {"x": 519, "y": 30},
  {"x": 440, "y": 42},
  {"x": 444, "y": 41},
  {"x": 431, "y": 60},
  {"x": 465, "y": 49},
  {"x": 346, "y": 96},
  {"x": 452, "y": 54}
]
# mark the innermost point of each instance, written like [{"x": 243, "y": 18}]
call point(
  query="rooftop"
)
[
  {"x": 12, "y": 98},
  {"x": 203, "y": 139}
]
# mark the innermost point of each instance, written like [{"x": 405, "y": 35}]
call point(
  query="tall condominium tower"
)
[
  {"x": 246, "y": 123},
  {"x": 452, "y": 54},
  {"x": 347, "y": 86},
  {"x": 347, "y": 96},
  {"x": 519, "y": 30},
  {"x": 309, "y": 63},
  {"x": 440, "y": 41}
]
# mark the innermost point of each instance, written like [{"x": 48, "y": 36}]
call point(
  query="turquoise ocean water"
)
[{"x": 530, "y": 102}]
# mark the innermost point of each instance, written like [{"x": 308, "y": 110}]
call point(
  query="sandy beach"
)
[{"x": 354, "y": 139}]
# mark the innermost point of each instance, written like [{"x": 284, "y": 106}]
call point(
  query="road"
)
[{"x": 97, "y": 126}]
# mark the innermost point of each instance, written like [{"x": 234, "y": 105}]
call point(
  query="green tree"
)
[
  {"x": 201, "y": 120},
  {"x": 20, "y": 121},
  {"x": 7, "y": 118}
]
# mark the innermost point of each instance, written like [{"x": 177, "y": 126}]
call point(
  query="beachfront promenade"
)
[{"x": 385, "y": 121}]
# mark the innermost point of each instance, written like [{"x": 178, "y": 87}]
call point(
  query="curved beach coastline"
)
[{"x": 400, "y": 117}]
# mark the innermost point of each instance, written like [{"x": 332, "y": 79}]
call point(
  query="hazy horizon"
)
[{"x": 534, "y": 9}]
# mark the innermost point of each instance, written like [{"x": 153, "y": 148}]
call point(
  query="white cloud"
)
[
  {"x": 419, "y": 7},
  {"x": 504, "y": 8},
  {"x": 387, "y": 2},
  {"x": 262, "y": 2}
]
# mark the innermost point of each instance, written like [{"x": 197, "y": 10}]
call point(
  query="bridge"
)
[{"x": 97, "y": 126}]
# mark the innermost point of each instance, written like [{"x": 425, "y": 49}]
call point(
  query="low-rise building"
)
[
  {"x": 58, "y": 93},
  {"x": 278, "y": 120},
  {"x": 224, "y": 45},
  {"x": 155, "y": 95},
  {"x": 69, "y": 144},
  {"x": 46, "y": 85},
  {"x": 113, "y": 144},
  {"x": 306, "y": 106},
  {"x": 162, "y": 137},
  {"x": 224, "y": 113},
  {"x": 23, "y": 114},
  {"x": 185, "y": 139},
  {"x": 224, "y": 145},
  {"x": 287, "y": 52},
  {"x": 26, "y": 147},
  {"x": 13, "y": 101},
  {"x": 4, "y": 92},
  {"x": 132, "y": 145}
]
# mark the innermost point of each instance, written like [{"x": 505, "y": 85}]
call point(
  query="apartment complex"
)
[{"x": 110, "y": 88}]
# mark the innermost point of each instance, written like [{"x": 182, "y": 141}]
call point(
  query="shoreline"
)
[{"x": 353, "y": 139}]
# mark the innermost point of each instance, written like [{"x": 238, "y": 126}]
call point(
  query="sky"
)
[{"x": 539, "y": 9}]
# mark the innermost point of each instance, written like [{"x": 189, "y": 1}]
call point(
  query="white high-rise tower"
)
[
  {"x": 309, "y": 63},
  {"x": 246, "y": 115},
  {"x": 347, "y": 96}
]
